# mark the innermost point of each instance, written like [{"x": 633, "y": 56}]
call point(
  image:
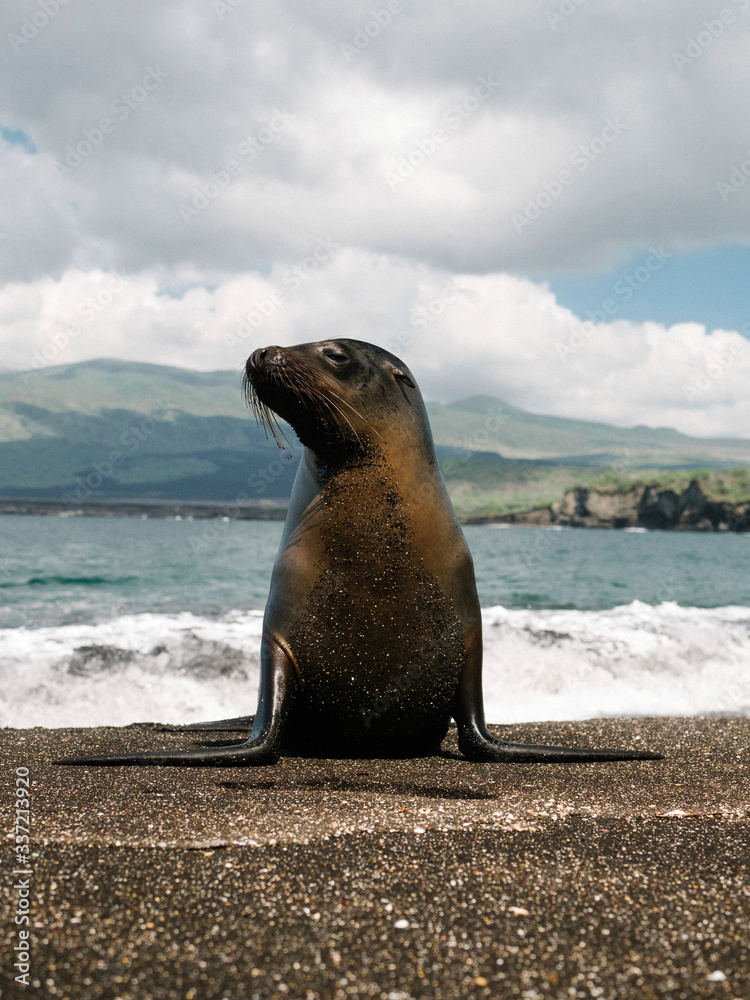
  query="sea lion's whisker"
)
[
  {"x": 346, "y": 402},
  {"x": 264, "y": 415},
  {"x": 354, "y": 410},
  {"x": 323, "y": 403},
  {"x": 319, "y": 393},
  {"x": 314, "y": 391},
  {"x": 330, "y": 402}
]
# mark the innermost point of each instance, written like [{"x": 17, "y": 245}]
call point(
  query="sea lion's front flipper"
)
[
  {"x": 242, "y": 724},
  {"x": 477, "y": 743},
  {"x": 277, "y": 683}
]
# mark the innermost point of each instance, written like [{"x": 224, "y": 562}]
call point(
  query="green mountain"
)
[
  {"x": 515, "y": 433},
  {"x": 113, "y": 429}
]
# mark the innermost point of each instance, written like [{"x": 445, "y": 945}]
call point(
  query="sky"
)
[{"x": 547, "y": 202}]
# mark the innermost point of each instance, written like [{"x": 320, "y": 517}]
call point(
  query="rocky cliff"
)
[{"x": 641, "y": 507}]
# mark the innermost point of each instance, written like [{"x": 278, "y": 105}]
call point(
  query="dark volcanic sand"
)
[{"x": 390, "y": 879}]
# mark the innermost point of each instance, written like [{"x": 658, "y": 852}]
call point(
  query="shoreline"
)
[
  {"x": 262, "y": 510},
  {"x": 424, "y": 878},
  {"x": 644, "y": 507},
  {"x": 275, "y": 510}
]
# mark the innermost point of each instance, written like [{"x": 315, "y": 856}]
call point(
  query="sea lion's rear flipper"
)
[
  {"x": 277, "y": 683},
  {"x": 483, "y": 747},
  {"x": 242, "y": 724},
  {"x": 477, "y": 743}
]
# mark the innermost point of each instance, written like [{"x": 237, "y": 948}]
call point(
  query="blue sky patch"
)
[
  {"x": 706, "y": 286},
  {"x": 17, "y": 137}
]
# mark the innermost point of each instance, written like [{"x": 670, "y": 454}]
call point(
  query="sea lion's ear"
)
[{"x": 397, "y": 373}]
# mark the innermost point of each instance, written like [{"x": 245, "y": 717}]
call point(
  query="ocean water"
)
[{"x": 107, "y": 621}]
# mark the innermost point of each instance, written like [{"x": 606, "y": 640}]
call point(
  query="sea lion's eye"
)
[
  {"x": 336, "y": 358},
  {"x": 397, "y": 373}
]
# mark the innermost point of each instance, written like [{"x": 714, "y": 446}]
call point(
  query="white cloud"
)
[
  {"x": 639, "y": 109},
  {"x": 212, "y": 83},
  {"x": 461, "y": 335}
]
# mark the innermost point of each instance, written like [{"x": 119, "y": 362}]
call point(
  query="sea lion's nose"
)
[{"x": 258, "y": 358}]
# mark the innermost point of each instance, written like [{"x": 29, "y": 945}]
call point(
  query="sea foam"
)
[{"x": 633, "y": 660}]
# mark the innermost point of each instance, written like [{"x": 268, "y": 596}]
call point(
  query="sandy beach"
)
[{"x": 420, "y": 878}]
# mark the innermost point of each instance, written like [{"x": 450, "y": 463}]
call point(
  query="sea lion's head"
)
[{"x": 340, "y": 396}]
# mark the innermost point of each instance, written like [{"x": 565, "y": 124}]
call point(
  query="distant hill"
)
[
  {"x": 108, "y": 429},
  {"x": 515, "y": 433}
]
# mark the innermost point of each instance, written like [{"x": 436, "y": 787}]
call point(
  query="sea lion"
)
[{"x": 372, "y": 636}]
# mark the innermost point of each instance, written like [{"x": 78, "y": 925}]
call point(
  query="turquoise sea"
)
[
  {"x": 60, "y": 570},
  {"x": 116, "y": 619}
]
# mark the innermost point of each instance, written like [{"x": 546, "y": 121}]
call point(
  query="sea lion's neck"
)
[
  {"x": 328, "y": 467},
  {"x": 377, "y": 478}
]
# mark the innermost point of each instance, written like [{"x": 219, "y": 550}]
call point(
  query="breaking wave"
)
[{"x": 633, "y": 660}]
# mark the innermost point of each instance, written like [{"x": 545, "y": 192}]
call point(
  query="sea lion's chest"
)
[{"x": 378, "y": 645}]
